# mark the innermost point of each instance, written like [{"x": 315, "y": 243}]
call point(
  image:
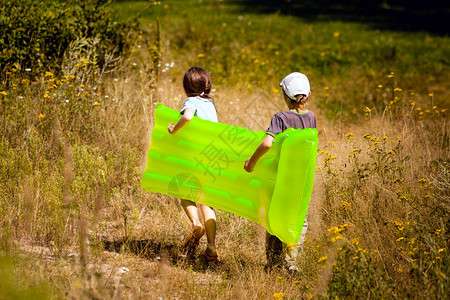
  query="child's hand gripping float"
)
[{"x": 204, "y": 163}]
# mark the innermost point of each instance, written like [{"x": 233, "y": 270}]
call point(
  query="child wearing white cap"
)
[{"x": 296, "y": 90}]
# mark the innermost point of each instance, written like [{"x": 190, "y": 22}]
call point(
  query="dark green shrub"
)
[{"x": 34, "y": 34}]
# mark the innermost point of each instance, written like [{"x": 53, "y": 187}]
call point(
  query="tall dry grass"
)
[
  {"x": 77, "y": 224},
  {"x": 385, "y": 184}
]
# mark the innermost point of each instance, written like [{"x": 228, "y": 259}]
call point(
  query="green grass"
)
[{"x": 351, "y": 58}]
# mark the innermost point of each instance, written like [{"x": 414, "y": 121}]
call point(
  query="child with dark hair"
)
[
  {"x": 197, "y": 85},
  {"x": 296, "y": 91}
]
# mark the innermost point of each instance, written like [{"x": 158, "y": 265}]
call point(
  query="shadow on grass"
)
[
  {"x": 431, "y": 16},
  {"x": 166, "y": 253}
]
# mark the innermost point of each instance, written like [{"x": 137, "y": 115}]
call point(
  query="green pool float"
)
[{"x": 204, "y": 163}]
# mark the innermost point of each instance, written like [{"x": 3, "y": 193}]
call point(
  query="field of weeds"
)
[{"x": 74, "y": 136}]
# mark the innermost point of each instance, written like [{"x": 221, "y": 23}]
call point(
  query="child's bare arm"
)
[
  {"x": 259, "y": 152},
  {"x": 187, "y": 116}
]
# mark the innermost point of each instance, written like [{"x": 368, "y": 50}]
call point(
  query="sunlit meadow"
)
[{"x": 73, "y": 143}]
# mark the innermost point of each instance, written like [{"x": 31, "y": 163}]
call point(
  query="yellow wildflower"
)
[
  {"x": 278, "y": 296},
  {"x": 422, "y": 180},
  {"x": 336, "y": 229},
  {"x": 41, "y": 116},
  {"x": 346, "y": 204},
  {"x": 336, "y": 238},
  {"x": 401, "y": 198},
  {"x": 323, "y": 258},
  {"x": 201, "y": 55}
]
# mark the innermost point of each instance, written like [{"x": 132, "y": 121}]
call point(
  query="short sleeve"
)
[
  {"x": 276, "y": 126},
  {"x": 189, "y": 103}
]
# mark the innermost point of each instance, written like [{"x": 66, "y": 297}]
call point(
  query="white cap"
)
[{"x": 295, "y": 84}]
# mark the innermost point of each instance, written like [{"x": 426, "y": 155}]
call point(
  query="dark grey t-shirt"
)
[{"x": 291, "y": 119}]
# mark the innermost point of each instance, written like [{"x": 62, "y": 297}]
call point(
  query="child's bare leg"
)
[
  {"x": 190, "y": 208},
  {"x": 210, "y": 225},
  {"x": 194, "y": 237}
]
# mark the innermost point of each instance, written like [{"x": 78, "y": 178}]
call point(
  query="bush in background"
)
[{"x": 35, "y": 34}]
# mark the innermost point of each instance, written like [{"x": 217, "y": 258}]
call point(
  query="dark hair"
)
[{"x": 196, "y": 82}]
